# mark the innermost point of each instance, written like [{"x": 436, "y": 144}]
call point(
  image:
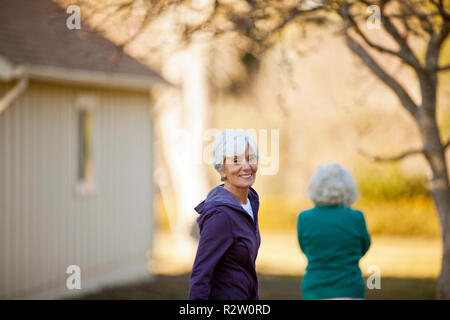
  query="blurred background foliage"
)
[
  {"x": 326, "y": 105},
  {"x": 324, "y": 101},
  {"x": 393, "y": 203}
]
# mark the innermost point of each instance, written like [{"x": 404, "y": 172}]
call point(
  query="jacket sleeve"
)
[
  {"x": 215, "y": 239},
  {"x": 365, "y": 234}
]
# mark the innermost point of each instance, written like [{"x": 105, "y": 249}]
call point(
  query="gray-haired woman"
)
[
  {"x": 224, "y": 267},
  {"x": 333, "y": 237}
]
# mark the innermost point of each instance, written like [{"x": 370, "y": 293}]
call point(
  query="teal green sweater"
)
[{"x": 334, "y": 239}]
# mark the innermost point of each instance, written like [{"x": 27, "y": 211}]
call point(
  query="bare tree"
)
[
  {"x": 257, "y": 23},
  {"x": 404, "y": 22}
]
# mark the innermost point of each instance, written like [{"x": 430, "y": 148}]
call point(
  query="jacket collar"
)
[{"x": 219, "y": 196}]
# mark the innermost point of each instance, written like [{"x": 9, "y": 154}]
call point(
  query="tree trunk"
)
[
  {"x": 443, "y": 286},
  {"x": 440, "y": 191},
  {"x": 441, "y": 197},
  {"x": 182, "y": 120}
]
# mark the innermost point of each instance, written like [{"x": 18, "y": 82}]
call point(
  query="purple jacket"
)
[{"x": 224, "y": 267}]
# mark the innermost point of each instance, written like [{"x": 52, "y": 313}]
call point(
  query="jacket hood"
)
[{"x": 219, "y": 196}]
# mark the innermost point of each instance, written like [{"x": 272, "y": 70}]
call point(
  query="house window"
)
[
  {"x": 85, "y": 129},
  {"x": 85, "y": 165}
]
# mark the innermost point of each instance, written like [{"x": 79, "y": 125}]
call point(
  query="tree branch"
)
[
  {"x": 346, "y": 15},
  {"x": 447, "y": 145},
  {"x": 395, "y": 34},
  {"x": 436, "y": 41},
  {"x": 116, "y": 10},
  {"x": 294, "y": 14},
  {"x": 401, "y": 93},
  {"x": 393, "y": 158},
  {"x": 423, "y": 17},
  {"x": 397, "y": 157},
  {"x": 443, "y": 69},
  {"x": 440, "y": 7}
]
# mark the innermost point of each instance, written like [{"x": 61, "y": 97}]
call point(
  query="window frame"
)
[{"x": 86, "y": 184}]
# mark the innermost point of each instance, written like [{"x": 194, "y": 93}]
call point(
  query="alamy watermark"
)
[
  {"x": 74, "y": 280},
  {"x": 198, "y": 149},
  {"x": 374, "y": 280},
  {"x": 74, "y": 20},
  {"x": 374, "y": 20}
]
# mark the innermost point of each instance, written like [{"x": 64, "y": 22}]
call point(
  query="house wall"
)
[{"x": 45, "y": 224}]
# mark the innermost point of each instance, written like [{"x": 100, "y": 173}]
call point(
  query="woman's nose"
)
[{"x": 245, "y": 164}]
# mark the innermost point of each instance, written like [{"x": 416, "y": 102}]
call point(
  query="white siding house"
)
[{"x": 75, "y": 157}]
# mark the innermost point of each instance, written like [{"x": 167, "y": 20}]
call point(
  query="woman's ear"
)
[{"x": 223, "y": 175}]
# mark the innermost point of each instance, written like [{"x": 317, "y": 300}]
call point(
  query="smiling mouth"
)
[{"x": 246, "y": 176}]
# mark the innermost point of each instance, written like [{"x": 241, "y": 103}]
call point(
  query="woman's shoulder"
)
[
  {"x": 355, "y": 212},
  {"x": 306, "y": 213},
  {"x": 215, "y": 208},
  {"x": 354, "y": 215},
  {"x": 216, "y": 215},
  {"x": 330, "y": 209}
]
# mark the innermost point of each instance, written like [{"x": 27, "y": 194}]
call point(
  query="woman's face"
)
[{"x": 240, "y": 170}]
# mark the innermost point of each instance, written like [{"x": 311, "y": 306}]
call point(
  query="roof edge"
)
[{"x": 83, "y": 77}]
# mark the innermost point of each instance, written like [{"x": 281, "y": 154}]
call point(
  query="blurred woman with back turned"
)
[
  {"x": 224, "y": 267},
  {"x": 333, "y": 237}
]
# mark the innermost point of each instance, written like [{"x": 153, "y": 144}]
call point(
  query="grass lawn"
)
[
  {"x": 271, "y": 287},
  {"x": 408, "y": 266}
]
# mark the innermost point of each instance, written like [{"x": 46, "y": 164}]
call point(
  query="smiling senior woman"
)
[
  {"x": 224, "y": 266},
  {"x": 333, "y": 237}
]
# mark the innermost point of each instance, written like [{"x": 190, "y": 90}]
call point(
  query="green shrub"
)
[
  {"x": 388, "y": 182},
  {"x": 407, "y": 216}
]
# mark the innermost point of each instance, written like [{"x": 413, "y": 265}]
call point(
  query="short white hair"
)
[
  {"x": 230, "y": 143},
  {"x": 332, "y": 184}
]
